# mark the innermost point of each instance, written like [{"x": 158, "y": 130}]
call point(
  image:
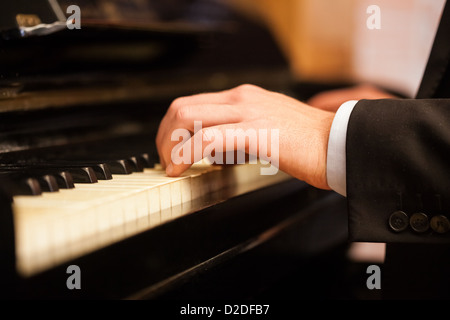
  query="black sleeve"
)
[{"x": 398, "y": 171}]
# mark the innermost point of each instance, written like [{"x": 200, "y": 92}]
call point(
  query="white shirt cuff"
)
[{"x": 336, "y": 154}]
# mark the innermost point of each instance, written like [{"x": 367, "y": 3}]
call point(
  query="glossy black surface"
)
[{"x": 65, "y": 101}]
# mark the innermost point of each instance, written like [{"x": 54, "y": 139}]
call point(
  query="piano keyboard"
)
[{"x": 54, "y": 227}]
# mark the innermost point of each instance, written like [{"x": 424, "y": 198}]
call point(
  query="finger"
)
[
  {"x": 220, "y": 97},
  {"x": 208, "y": 140},
  {"x": 159, "y": 140},
  {"x": 208, "y": 114},
  {"x": 193, "y": 118},
  {"x": 177, "y": 138}
]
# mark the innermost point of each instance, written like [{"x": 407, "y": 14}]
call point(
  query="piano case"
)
[{"x": 98, "y": 93}]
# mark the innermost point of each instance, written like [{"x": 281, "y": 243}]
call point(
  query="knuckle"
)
[
  {"x": 240, "y": 93},
  {"x": 246, "y": 87},
  {"x": 182, "y": 113},
  {"x": 177, "y": 103}
]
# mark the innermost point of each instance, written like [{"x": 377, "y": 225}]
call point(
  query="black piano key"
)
[
  {"x": 118, "y": 165},
  {"x": 102, "y": 168},
  {"x": 83, "y": 174},
  {"x": 138, "y": 164},
  {"x": 69, "y": 174},
  {"x": 32, "y": 187},
  {"x": 102, "y": 171},
  {"x": 64, "y": 177},
  {"x": 146, "y": 160},
  {"x": 48, "y": 183},
  {"x": 121, "y": 166},
  {"x": 64, "y": 180},
  {"x": 28, "y": 183},
  {"x": 25, "y": 186}
]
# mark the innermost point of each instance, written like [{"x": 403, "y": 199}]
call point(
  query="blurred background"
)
[
  {"x": 328, "y": 41},
  {"x": 112, "y": 81}
]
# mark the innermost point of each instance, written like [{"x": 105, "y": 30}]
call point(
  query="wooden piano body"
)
[{"x": 76, "y": 100}]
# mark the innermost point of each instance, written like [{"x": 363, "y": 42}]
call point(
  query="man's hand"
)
[
  {"x": 303, "y": 130},
  {"x": 331, "y": 100}
]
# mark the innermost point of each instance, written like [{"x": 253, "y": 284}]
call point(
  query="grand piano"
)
[{"x": 80, "y": 183}]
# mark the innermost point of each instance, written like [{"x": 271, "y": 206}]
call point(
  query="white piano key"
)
[
  {"x": 165, "y": 202},
  {"x": 198, "y": 183},
  {"x": 37, "y": 240},
  {"x": 55, "y": 227},
  {"x": 170, "y": 189},
  {"x": 154, "y": 206},
  {"x": 135, "y": 196},
  {"x": 164, "y": 187},
  {"x": 185, "y": 188}
]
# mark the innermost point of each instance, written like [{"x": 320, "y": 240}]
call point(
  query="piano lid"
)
[
  {"x": 24, "y": 18},
  {"x": 117, "y": 38},
  {"x": 130, "y": 50}
]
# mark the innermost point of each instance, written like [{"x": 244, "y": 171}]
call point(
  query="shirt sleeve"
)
[{"x": 336, "y": 154}]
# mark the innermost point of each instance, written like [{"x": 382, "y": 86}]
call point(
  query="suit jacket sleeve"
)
[{"x": 398, "y": 161}]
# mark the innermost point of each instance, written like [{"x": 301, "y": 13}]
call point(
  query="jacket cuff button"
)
[
  {"x": 419, "y": 222},
  {"x": 440, "y": 224},
  {"x": 398, "y": 221}
]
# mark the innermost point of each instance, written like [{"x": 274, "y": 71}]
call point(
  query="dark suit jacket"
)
[{"x": 398, "y": 160}]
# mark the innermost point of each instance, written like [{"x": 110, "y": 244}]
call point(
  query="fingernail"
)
[{"x": 169, "y": 169}]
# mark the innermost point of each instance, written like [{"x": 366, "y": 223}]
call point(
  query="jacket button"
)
[
  {"x": 440, "y": 224},
  {"x": 398, "y": 221},
  {"x": 419, "y": 222}
]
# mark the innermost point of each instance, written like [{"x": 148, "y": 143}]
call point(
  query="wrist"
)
[
  {"x": 325, "y": 123},
  {"x": 311, "y": 159}
]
